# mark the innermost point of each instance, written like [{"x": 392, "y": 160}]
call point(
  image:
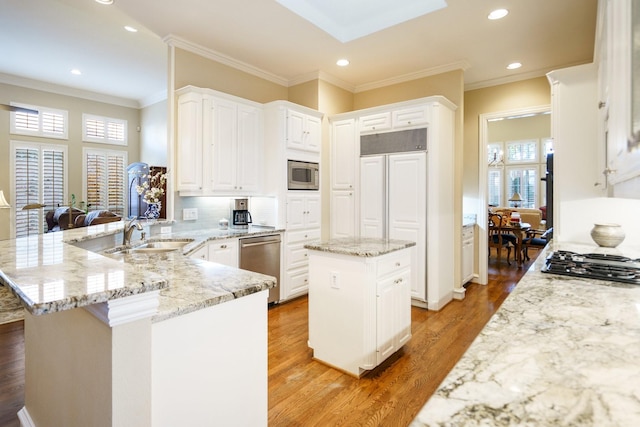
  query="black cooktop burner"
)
[{"x": 594, "y": 266}]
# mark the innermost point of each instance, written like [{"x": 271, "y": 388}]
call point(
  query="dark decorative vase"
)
[{"x": 153, "y": 211}]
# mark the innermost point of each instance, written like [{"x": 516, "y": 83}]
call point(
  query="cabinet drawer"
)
[
  {"x": 393, "y": 263},
  {"x": 296, "y": 256},
  {"x": 375, "y": 122},
  {"x": 410, "y": 117},
  {"x": 303, "y": 235}
]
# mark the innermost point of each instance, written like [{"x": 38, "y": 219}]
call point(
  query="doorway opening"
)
[{"x": 512, "y": 146}]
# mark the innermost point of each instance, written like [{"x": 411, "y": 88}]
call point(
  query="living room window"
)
[
  {"x": 517, "y": 166},
  {"x": 104, "y": 179},
  {"x": 39, "y": 121},
  {"x": 39, "y": 176},
  {"x": 104, "y": 130}
]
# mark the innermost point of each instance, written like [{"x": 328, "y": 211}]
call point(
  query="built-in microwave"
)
[{"x": 303, "y": 175}]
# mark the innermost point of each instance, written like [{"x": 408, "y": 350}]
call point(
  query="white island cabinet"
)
[{"x": 359, "y": 301}]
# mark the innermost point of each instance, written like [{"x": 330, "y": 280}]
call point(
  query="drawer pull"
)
[
  {"x": 397, "y": 264},
  {"x": 398, "y": 281}
]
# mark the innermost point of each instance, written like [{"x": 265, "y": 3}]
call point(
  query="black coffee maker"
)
[{"x": 241, "y": 217}]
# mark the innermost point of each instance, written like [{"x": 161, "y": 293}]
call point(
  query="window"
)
[
  {"x": 519, "y": 171},
  {"x": 41, "y": 121},
  {"x": 39, "y": 177},
  {"x": 104, "y": 172},
  {"x": 104, "y": 130}
]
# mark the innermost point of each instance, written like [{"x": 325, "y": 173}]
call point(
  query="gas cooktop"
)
[{"x": 594, "y": 266}]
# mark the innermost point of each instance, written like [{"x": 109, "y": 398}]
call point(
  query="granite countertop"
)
[
  {"x": 49, "y": 274},
  {"x": 361, "y": 247},
  {"x": 469, "y": 220},
  {"x": 560, "y": 351}
]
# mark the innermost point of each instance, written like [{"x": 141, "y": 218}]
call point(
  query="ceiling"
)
[{"x": 44, "y": 40}]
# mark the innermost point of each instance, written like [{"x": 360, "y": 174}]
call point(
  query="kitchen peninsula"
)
[
  {"x": 142, "y": 340},
  {"x": 559, "y": 351}
]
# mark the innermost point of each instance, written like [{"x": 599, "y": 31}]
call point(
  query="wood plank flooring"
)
[{"x": 304, "y": 392}]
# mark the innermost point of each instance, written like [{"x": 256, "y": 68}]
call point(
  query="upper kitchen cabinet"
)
[
  {"x": 219, "y": 146},
  {"x": 414, "y": 116},
  {"x": 303, "y": 131},
  {"x": 618, "y": 61},
  {"x": 189, "y": 149},
  {"x": 237, "y": 148}
]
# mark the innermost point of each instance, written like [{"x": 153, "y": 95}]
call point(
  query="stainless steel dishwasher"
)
[{"x": 262, "y": 255}]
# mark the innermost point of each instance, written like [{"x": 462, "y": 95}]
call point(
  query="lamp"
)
[
  {"x": 3, "y": 202},
  {"x": 516, "y": 199}
]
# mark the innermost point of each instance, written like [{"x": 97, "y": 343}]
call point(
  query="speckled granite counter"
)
[
  {"x": 49, "y": 274},
  {"x": 559, "y": 351},
  {"x": 362, "y": 247}
]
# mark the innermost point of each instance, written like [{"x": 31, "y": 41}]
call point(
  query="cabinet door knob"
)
[{"x": 397, "y": 264}]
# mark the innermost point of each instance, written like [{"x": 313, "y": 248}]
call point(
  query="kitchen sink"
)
[{"x": 153, "y": 247}]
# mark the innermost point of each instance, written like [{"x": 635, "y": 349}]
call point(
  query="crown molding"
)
[
  {"x": 181, "y": 43},
  {"x": 460, "y": 65},
  {"x": 517, "y": 77},
  {"x": 68, "y": 91},
  {"x": 321, "y": 75},
  {"x": 153, "y": 99}
]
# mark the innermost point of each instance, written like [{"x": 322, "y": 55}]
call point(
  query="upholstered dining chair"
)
[
  {"x": 535, "y": 239},
  {"x": 499, "y": 238}
]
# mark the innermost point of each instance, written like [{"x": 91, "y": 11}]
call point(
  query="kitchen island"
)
[
  {"x": 560, "y": 351},
  {"x": 359, "y": 301},
  {"x": 154, "y": 340}
]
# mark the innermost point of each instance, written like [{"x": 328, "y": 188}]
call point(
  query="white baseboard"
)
[{"x": 25, "y": 418}]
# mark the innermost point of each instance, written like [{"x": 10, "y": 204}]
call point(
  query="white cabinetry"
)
[
  {"x": 303, "y": 131},
  {"x": 237, "y": 148},
  {"x": 436, "y": 262},
  {"x": 303, "y": 211},
  {"x": 344, "y": 178},
  {"x": 189, "y": 149},
  {"x": 293, "y": 132},
  {"x": 219, "y": 146},
  {"x": 359, "y": 308},
  {"x": 468, "y": 237},
  {"x": 223, "y": 251}
]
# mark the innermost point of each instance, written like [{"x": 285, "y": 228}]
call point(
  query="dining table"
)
[{"x": 518, "y": 229}]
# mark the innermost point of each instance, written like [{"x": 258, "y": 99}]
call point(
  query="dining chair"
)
[
  {"x": 499, "y": 238},
  {"x": 532, "y": 240}
]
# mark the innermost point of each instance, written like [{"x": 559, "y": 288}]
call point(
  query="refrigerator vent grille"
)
[{"x": 394, "y": 142}]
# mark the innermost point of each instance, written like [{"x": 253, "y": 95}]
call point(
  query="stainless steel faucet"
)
[{"x": 128, "y": 230}]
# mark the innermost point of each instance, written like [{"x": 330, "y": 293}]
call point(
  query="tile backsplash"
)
[{"x": 212, "y": 209}]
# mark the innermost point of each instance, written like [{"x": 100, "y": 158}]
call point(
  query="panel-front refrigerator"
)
[{"x": 393, "y": 201}]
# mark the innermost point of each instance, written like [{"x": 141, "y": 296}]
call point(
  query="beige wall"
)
[
  {"x": 76, "y": 107},
  {"x": 153, "y": 134},
  {"x": 196, "y": 70},
  {"x": 538, "y": 126}
]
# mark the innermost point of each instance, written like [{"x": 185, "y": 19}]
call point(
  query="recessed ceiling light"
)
[
  {"x": 498, "y": 14},
  {"x": 130, "y": 29},
  {"x": 514, "y": 65},
  {"x": 104, "y": 1},
  {"x": 76, "y": 72},
  {"x": 342, "y": 62}
]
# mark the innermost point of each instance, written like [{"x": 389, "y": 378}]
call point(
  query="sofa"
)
[
  {"x": 529, "y": 215},
  {"x": 58, "y": 219}
]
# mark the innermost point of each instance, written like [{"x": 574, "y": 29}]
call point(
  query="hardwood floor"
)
[{"x": 304, "y": 392}]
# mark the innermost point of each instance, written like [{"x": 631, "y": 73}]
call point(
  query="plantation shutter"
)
[
  {"x": 105, "y": 183},
  {"x": 39, "y": 177}
]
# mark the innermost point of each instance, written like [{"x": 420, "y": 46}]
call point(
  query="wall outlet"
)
[
  {"x": 334, "y": 277},
  {"x": 165, "y": 230},
  {"x": 189, "y": 214}
]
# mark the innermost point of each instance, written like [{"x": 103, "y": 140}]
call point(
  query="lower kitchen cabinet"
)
[
  {"x": 224, "y": 252},
  {"x": 468, "y": 237},
  {"x": 221, "y": 251},
  {"x": 296, "y": 260},
  {"x": 359, "y": 307}
]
